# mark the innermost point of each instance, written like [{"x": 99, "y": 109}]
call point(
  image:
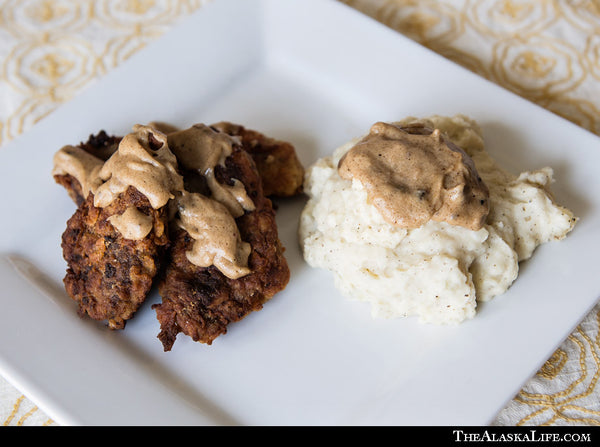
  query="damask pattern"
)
[
  {"x": 547, "y": 51},
  {"x": 54, "y": 49}
]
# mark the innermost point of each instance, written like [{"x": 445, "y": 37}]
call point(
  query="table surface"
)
[{"x": 545, "y": 51}]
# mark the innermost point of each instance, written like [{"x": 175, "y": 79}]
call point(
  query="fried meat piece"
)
[
  {"x": 101, "y": 146},
  {"x": 107, "y": 275},
  {"x": 277, "y": 162},
  {"x": 200, "y": 301}
]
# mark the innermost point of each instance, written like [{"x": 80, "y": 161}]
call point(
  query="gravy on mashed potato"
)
[
  {"x": 413, "y": 174},
  {"x": 430, "y": 237}
]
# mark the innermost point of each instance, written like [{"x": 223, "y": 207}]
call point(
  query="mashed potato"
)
[{"x": 437, "y": 271}]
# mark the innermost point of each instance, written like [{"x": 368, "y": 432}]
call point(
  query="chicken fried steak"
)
[
  {"x": 116, "y": 239},
  {"x": 108, "y": 275},
  {"x": 201, "y": 302},
  {"x": 208, "y": 235}
]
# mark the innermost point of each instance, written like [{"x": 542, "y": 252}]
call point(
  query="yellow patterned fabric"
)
[{"x": 547, "y": 51}]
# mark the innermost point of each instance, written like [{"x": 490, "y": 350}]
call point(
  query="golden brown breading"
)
[
  {"x": 200, "y": 301},
  {"x": 107, "y": 275},
  {"x": 277, "y": 162}
]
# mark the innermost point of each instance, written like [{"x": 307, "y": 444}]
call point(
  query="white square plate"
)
[{"x": 316, "y": 73}]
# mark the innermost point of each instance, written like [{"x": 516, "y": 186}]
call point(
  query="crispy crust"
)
[
  {"x": 101, "y": 145},
  {"x": 202, "y": 302},
  {"x": 107, "y": 275},
  {"x": 280, "y": 169}
]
